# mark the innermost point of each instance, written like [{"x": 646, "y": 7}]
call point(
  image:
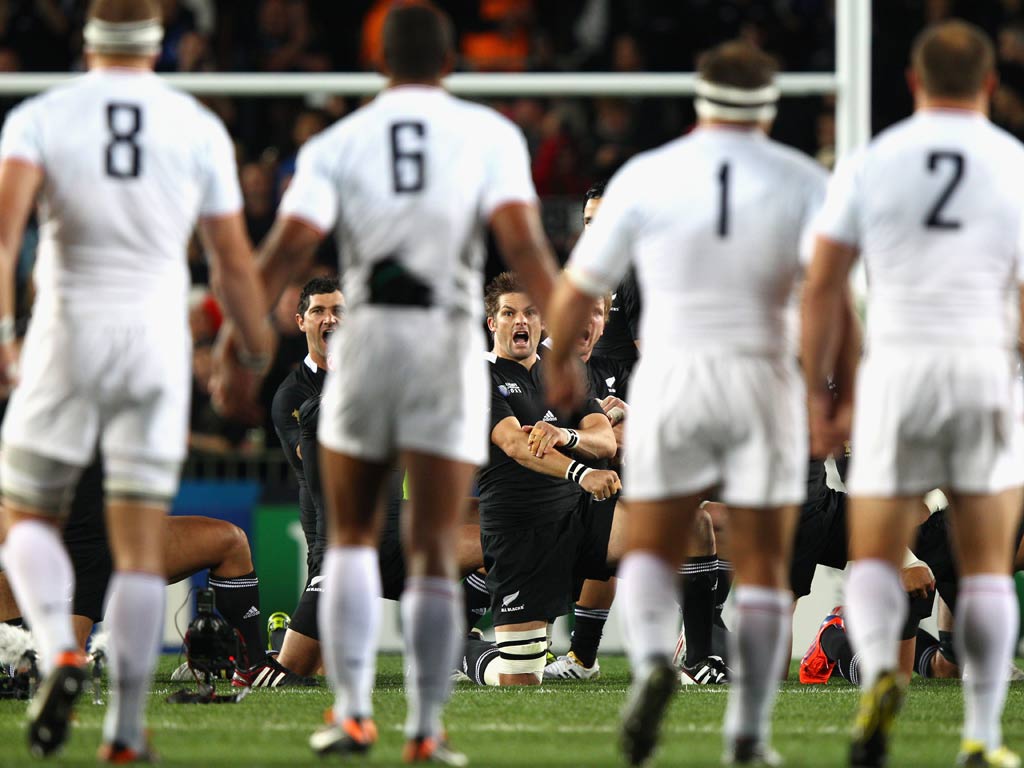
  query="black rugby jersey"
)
[
  {"x": 300, "y": 385},
  {"x": 623, "y": 326},
  {"x": 511, "y": 496}
]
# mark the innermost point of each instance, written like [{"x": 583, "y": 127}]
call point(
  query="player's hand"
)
[
  {"x": 917, "y": 579},
  {"x": 615, "y": 409},
  {"x": 601, "y": 484},
  {"x": 829, "y": 426},
  {"x": 9, "y": 374},
  {"x": 234, "y": 391},
  {"x": 544, "y": 437},
  {"x": 565, "y": 384}
]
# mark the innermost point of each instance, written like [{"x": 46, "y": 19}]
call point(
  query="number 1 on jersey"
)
[
  {"x": 723, "y": 200},
  {"x": 407, "y": 165}
]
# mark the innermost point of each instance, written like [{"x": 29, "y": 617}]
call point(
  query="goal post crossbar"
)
[{"x": 651, "y": 84}]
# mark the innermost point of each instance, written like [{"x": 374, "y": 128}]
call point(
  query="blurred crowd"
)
[{"x": 573, "y": 141}]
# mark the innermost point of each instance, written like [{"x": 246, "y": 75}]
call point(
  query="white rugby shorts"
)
[
  {"x": 926, "y": 418},
  {"x": 407, "y": 379},
  {"x": 120, "y": 383},
  {"x": 698, "y": 420}
]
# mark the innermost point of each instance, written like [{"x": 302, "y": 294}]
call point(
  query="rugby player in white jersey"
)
[
  {"x": 408, "y": 184},
  {"x": 123, "y": 167},
  {"x": 717, "y": 399},
  {"x": 934, "y": 207}
]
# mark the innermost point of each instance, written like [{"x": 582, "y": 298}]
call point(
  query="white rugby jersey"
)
[
  {"x": 413, "y": 176},
  {"x": 716, "y": 224},
  {"x": 935, "y": 206},
  {"x": 129, "y": 164}
]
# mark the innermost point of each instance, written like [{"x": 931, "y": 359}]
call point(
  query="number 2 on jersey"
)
[
  {"x": 407, "y": 165},
  {"x": 124, "y": 156},
  {"x": 935, "y": 219}
]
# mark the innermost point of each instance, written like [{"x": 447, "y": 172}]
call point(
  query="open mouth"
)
[
  {"x": 521, "y": 338},
  {"x": 585, "y": 337},
  {"x": 326, "y": 335}
]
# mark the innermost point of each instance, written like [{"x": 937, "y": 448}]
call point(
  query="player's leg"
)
[
  {"x": 876, "y": 609},
  {"x": 698, "y": 604},
  {"x": 432, "y": 599},
  {"x": 761, "y": 541},
  {"x": 41, "y": 578},
  {"x": 522, "y": 648},
  {"x": 589, "y": 617},
  {"x": 349, "y": 610},
  {"x": 657, "y": 535},
  {"x": 138, "y": 497},
  {"x": 876, "y": 604},
  {"x": 984, "y": 533}
]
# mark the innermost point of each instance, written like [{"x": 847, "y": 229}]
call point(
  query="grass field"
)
[{"x": 567, "y": 724}]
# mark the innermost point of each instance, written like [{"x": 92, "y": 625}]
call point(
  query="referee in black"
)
[{"x": 539, "y": 538}]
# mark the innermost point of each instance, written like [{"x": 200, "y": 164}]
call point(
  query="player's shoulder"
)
[{"x": 796, "y": 163}]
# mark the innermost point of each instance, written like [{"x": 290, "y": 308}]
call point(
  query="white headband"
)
[
  {"x": 723, "y": 102},
  {"x": 132, "y": 37}
]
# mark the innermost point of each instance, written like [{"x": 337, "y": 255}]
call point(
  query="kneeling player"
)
[{"x": 539, "y": 535}]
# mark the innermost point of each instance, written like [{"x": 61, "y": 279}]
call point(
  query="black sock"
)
[
  {"x": 478, "y": 655},
  {"x": 925, "y": 648},
  {"x": 588, "y": 626},
  {"x": 475, "y": 598},
  {"x": 946, "y": 646},
  {"x": 238, "y": 601},
  {"x": 837, "y": 648},
  {"x": 722, "y": 589},
  {"x": 699, "y": 584}
]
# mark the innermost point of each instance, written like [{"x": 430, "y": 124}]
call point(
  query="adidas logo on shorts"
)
[{"x": 252, "y": 613}]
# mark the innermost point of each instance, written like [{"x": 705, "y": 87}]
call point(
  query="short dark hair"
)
[
  {"x": 125, "y": 11},
  {"x": 595, "y": 192},
  {"x": 315, "y": 287},
  {"x": 506, "y": 282},
  {"x": 737, "y": 64},
  {"x": 952, "y": 59},
  {"x": 417, "y": 40}
]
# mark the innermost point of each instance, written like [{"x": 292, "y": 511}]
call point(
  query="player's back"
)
[
  {"x": 937, "y": 212},
  {"x": 416, "y": 175},
  {"x": 718, "y": 219},
  {"x": 129, "y": 164}
]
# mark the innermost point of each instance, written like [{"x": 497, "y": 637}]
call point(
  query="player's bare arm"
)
[
  {"x": 594, "y": 439},
  {"x": 520, "y": 236},
  {"x": 510, "y": 436},
  {"x": 19, "y": 185},
  {"x": 286, "y": 250},
  {"x": 826, "y": 293},
  {"x": 237, "y": 283}
]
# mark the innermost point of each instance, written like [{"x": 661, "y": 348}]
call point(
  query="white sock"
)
[
  {"x": 985, "y": 632},
  {"x": 42, "y": 580},
  {"x": 876, "y": 609},
  {"x": 647, "y": 594},
  {"x": 432, "y": 629},
  {"x": 759, "y": 646},
  {"x": 349, "y": 621},
  {"x": 134, "y": 618}
]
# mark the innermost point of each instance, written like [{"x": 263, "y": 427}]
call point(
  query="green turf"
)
[{"x": 567, "y": 724}]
